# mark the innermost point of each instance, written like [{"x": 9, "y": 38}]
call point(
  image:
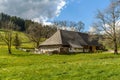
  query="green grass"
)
[
  {"x": 26, "y": 66},
  {"x": 24, "y": 39},
  {"x": 25, "y": 42}
]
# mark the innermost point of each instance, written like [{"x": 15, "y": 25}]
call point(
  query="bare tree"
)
[
  {"x": 34, "y": 33},
  {"x": 48, "y": 30},
  {"x": 80, "y": 26},
  {"x": 108, "y": 22},
  {"x": 7, "y": 35},
  {"x": 61, "y": 24},
  {"x": 70, "y": 25}
]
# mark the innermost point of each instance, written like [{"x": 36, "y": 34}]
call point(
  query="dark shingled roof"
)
[{"x": 69, "y": 38}]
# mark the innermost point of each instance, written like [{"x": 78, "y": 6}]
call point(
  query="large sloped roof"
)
[
  {"x": 69, "y": 38},
  {"x": 54, "y": 39}
]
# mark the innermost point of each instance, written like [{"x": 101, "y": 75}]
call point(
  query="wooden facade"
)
[{"x": 61, "y": 49}]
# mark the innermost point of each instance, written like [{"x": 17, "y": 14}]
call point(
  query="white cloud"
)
[
  {"x": 108, "y": 28},
  {"x": 38, "y": 10},
  {"x": 92, "y": 30}
]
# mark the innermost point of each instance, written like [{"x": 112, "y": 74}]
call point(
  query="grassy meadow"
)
[{"x": 26, "y": 66}]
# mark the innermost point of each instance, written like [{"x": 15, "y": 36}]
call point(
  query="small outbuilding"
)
[{"x": 69, "y": 41}]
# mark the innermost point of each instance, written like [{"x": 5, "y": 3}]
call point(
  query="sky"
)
[
  {"x": 82, "y": 10},
  {"x": 50, "y": 10}
]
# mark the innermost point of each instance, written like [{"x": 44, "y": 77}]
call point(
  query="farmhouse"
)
[{"x": 69, "y": 41}]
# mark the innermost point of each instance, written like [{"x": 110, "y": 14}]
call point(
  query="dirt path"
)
[{"x": 111, "y": 51}]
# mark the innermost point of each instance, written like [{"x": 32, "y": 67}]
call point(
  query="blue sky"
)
[{"x": 82, "y": 10}]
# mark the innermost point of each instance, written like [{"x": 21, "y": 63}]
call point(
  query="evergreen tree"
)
[{"x": 17, "y": 41}]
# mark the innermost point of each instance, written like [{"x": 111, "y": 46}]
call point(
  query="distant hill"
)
[
  {"x": 22, "y": 25},
  {"x": 19, "y": 22}
]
